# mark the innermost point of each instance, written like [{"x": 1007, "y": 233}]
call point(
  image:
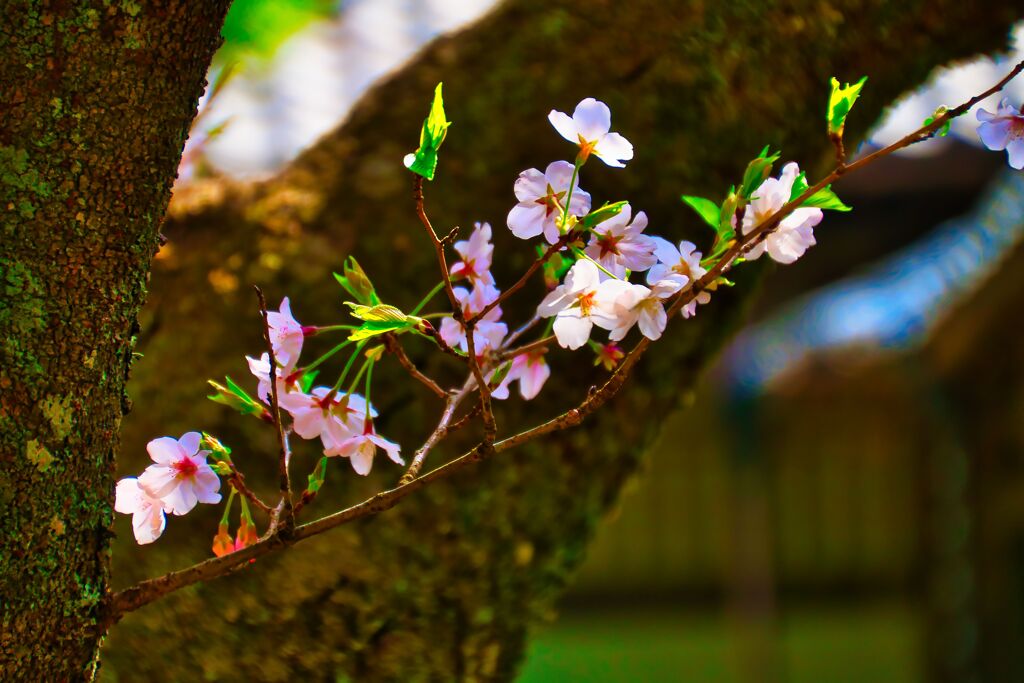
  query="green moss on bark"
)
[{"x": 90, "y": 143}]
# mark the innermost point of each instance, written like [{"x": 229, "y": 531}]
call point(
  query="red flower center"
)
[
  {"x": 552, "y": 201},
  {"x": 185, "y": 468}
]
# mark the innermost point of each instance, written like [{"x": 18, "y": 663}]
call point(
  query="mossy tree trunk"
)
[
  {"x": 96, "y": 99},
  {"x": 445, "y": 586}
]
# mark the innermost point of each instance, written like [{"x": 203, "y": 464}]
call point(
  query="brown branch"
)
[
  {"x": 286, "y": 521},
  {"x": 147, "y": 591},
  {"x": 394, "y": 347},
  {"x": 486, "y": 411},
  {"x": 438, "y": 245},
  {"x": 541, "y": 343},
  {"x": 441, "y": 431}
]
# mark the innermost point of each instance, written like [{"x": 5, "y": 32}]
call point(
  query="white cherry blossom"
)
[
  {"x": 644, "y": 307},
  {"x": 148, "y": 519},
  {"x": 677, "y": 265},
  {"x": 589, "y": 128},
  {"x": 1004, "y": 129},
  {"x": 541, "y": 201},
  {"x": 180, "y": 476},
  {"x": 581, "y": 302},
  {"x": 795, "y": 233},
  {"x": 619, "y": 245}
]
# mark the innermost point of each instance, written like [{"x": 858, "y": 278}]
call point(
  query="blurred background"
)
[{"x": 842, "y": 497}]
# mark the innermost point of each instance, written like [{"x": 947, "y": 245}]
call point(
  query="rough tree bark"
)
[
  {"x": 97, "y": 98},
  {"x": 445, "y": 586}
]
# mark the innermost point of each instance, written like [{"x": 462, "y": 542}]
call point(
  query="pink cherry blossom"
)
[
  {"x": 541, "y": 201},
  {"x": 476, "y": 253},
  {"x": 795, "y": 233},
  {"x": 332, "y": 419},
  {"x": 581, "y": 302},
  {"x": 588, "y": 127},
  {"x": 286, "y": 336},
  {"x": 619, "y": 245},
  {"x": 488, "y": 332},
  {"x": 531, "y": 370},
  {"x": 1004, "y": 129},
  {"x": 148, "y": 519},
  {"x": 677, "y": 265},
  {"x": 180, "y": 476},
  {"x": 286, "y": 383},
  {"x": 360, "y": 448}
]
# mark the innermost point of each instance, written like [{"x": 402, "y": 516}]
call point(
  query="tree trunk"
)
[
  {"x": 445, "y": 586},
  {"x": 97, "y": 100}
]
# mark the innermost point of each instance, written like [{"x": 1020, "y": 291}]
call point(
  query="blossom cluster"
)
[{"x": 597, "y": 290}]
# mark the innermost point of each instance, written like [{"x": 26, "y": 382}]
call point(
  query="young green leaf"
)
[
  {"x": 235, "y": 397},
  {"x": 840, "y": 101},
  {"x": 598, "y": 216},
  {"x": 435, "y": 127},
  {"x": 357, "y": 283},
  {"x": 825, "y": 198},
  {"x": 757, "y": 172},
  {"x": 379, "y": 313},
  {"x": 705, "y": 208}
]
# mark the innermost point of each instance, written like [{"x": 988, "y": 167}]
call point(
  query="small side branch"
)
[
  {"x": 394, "y": 347},
  {"x": 286, "y": 520}
]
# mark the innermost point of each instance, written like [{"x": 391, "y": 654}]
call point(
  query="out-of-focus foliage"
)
[{"x": 258, "y": 27}]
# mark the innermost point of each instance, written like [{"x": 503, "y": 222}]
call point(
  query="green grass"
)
[{"x": 808, "y": 646}]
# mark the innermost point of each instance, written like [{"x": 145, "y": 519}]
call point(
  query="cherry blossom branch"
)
[
  {"x": 148, "y": 591},
  {"x": 286, "y": 520},
  {"x": 394, "y": 347},
  {"x": 486, "y": 411}
]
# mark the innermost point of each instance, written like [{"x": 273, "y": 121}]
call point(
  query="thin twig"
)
[
  {"x": 286, "y": 521},
  {"x": 442, "y": 430},
  {"x": 394, "y": 347},
  {"x": 438, "y": 245},
  {"x": 541, "y": 343},
  {"x": 147, "y": 591},
  {"x": 237, "y": 480}
]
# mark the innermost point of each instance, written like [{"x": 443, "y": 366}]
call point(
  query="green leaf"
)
[
  {"x": 435, "y": 127},
  {"x": 840, "y": 101},
  {"x": 235, "y": 397},
  {"x": 757, "y": 172},
  {"x": 825, "y": 198},
  {"x": 375, "y": 328},
  {"x": 357, "y": 283},
  {"x": 799, "y": 186},
  {"x": 705, "y": 208},
  {"x": 598, "y": 216},
  {"x": 380, "y": 313}
]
